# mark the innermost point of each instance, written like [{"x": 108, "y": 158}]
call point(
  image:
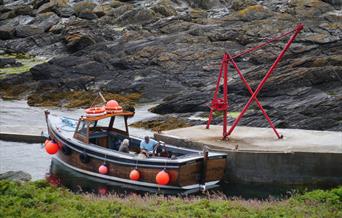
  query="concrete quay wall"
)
[{"x": 270, "y": 167}]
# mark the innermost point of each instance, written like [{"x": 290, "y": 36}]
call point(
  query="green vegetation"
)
[
  {"x": 166, "y": 123},
  {"x": 250, "y": 9},
  {"x": 73, "y": 99},
  {"x": 27, "y": 62},
  {"x": 39, "y": 199}
]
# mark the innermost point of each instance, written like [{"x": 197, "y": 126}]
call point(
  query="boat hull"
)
[{"x": 185, "y": 173}]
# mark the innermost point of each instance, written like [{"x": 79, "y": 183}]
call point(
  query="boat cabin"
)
[{"x": 99, "y": 130}]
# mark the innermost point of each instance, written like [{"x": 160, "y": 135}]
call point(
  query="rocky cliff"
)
[{"x": 170, "y": 50}]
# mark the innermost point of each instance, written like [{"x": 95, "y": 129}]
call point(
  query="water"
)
[
  {"x": 18, "y": 117},
  {"x": 30, "y": 158}
]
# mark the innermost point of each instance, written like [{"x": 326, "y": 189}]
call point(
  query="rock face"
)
[
  {"x": 28, "y": 30},
  {"x": 18, "y": 176},
  {"x": 6, "y": 32},
  {"x": 169, "y": 51}
]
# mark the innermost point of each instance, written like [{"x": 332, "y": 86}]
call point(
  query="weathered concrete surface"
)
[
  {"x": 261, "y": 139},
  {"x": 303, "y": 157}
]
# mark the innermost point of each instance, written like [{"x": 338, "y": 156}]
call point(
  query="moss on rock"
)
[
  {"x": 26, "y": 60},
  {"x": 161, "y": 124},
  {"x": 254, "y": 12},
  {"x": 13, "y": 92},
  {"x": 74, "y": 99}
]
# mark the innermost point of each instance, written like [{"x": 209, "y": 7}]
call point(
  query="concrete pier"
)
[
  {"x": 255, "y": 155},
  {"x": 21, "y": 137}
]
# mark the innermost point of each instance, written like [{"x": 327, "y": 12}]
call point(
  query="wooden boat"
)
[{"x": 89, "y": 146}]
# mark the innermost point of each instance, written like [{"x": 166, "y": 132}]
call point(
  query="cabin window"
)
[
  {"x": 82, "y": 128},
  {"x": 92, "y": 124},
  {"x": 104, "y": 122}
]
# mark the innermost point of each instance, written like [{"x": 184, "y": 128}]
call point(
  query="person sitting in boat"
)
[
  {"x": 161, "y": 150},
  {"x": 148, "y": 144},
  {"x": 124, "y": 146}
]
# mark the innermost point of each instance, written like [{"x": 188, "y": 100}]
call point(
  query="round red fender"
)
[
  {"x": 134, "y": 175},
  {"x": 162, "y": 178},
  {"x": 103, "y": 190},
  {"x": 113, "y": 106},
  {"x": 103, "y": 169},
  {"x": 53, "y": 180},
  {"x": 51, "y": 147}
]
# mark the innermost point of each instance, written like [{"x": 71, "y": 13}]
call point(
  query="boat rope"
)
[
  {"x": 164, "y": 164},
  {"x": 136, "y": 163},
  {"x": 94, "y": 101}
]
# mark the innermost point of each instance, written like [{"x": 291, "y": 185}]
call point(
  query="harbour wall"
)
[{"x": 274, "y": 168}]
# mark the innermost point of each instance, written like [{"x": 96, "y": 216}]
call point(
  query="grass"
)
[
  {"x": 27, "y": 63},
  {"x": 39, "y": 199}
]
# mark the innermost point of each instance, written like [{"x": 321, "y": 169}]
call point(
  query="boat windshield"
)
[
  {"x": 82, "y": 128},
  {"x": 103, "y": 122}
]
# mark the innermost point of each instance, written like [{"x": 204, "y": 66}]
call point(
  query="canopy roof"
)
[{"x": 100, "y": 117}]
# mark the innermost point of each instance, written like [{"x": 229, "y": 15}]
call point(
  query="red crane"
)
[{"x": 221, "y": 104}]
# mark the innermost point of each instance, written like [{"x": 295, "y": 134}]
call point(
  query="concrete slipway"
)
[{"x": 255, "y": 155}]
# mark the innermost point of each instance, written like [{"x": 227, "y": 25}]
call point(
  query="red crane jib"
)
[{"x": 221, "y": 104}]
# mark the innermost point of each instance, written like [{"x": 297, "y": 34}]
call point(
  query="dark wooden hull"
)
[{"x": 185, "y": 173}]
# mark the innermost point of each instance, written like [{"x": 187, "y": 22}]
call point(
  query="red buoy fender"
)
[
  {"x": 162, "y": 178},
  {"x": 113, "y": 106},
  {"x": 134, "y": 175},
  {"x": 51, "y": 146},
  {"x": 103, "y": 169}
]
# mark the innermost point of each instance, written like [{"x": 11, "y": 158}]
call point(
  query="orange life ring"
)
[
  {"x": 117, "y": 109},
  {"x": 95, "y": 111}
]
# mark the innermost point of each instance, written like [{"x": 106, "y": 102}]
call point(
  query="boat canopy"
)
[{"x": 87, "y": 125}]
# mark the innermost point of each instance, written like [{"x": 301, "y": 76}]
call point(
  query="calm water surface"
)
[{"x": 18, "y": 117}]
